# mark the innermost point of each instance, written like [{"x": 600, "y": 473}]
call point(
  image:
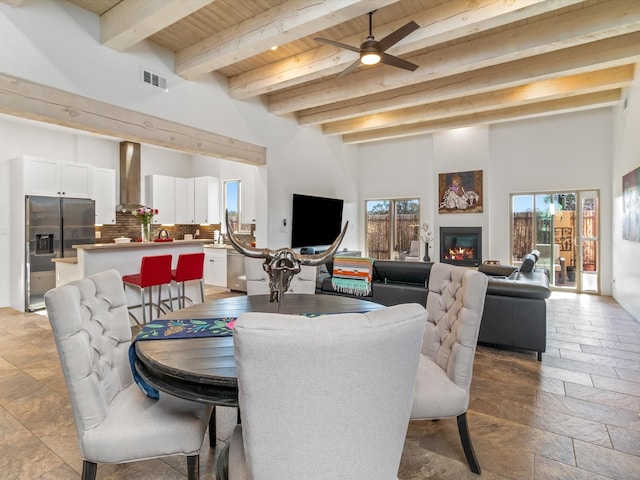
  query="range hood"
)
[{"x": 129, "y": 177}]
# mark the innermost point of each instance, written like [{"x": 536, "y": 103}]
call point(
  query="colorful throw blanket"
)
[
  {"x": 164, "y": 329},
  {"x": 352, "y": 275}
]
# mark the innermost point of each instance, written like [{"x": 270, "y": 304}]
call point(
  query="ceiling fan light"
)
[{"x": 370, "y": 58}]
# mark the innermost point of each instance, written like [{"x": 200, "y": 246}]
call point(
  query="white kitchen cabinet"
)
[
  {"x": 160, "y": 194},
  {"x": 51, "y": 177},
  {"x": 185, "y": 201},
  {"x": 215, "y": 266},
  {"x": 104, "y": 193},
  {"x": 207, "y": 200}
]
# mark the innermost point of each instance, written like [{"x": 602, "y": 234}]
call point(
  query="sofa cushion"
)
[
  {"x": 411, "y": 273},
  {"x": 394, "y": 293},
  {"x": 496, "y": 270},
  {"x": 527, "y": 285}
]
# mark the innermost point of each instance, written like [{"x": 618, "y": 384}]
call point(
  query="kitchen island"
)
[{"x": 126, "y": 259}]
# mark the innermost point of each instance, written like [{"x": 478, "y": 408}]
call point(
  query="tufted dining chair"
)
[
  {"x": 455, "y": 302},
  {"x": 258, "y": 279},
  {"x": 115, "y": 421},
  {"x": 326, "y": 397}
]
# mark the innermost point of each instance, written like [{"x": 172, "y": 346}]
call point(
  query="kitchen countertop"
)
[
  {"x": 111, "y": 246},
  {"x": 71, "y": 260}
]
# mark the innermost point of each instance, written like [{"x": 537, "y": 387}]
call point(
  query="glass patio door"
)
[{"x": 563, "y": 227}]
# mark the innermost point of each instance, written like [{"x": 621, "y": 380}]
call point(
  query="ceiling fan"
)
[{"x": 372, "y": 51}]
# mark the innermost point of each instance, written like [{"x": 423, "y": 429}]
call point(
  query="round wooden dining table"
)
[{"x": 204, "y": 369}]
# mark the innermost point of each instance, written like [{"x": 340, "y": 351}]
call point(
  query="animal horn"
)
[
  {"x": 324, "y": 257},
  {"x": 241, "y": 247}
]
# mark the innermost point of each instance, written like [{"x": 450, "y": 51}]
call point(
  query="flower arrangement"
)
[
  {"x": 145, "y": 214},
  {"x": 426, "y": 236}
]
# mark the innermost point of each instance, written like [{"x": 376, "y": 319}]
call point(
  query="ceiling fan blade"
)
[
  {"x": 351, "y": 67},
  {"x": 338, "y": 44},
  {"x": 394, "y": 37},
  {"x": 397, "y": 62}
]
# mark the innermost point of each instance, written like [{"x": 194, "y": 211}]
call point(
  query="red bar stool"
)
[
  {"x": 154, "y": 271},
  {"x": 190, "y": 267}
]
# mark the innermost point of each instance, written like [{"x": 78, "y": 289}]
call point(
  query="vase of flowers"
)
[
  {"x": 426, "y": 236},
  {"x": 145, "y": 215}
]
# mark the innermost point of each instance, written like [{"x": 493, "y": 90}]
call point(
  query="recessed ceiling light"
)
[{"x": 275, "y": 47}]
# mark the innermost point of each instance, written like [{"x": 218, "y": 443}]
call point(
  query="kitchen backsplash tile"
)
[{"x": 129, "y": 226}]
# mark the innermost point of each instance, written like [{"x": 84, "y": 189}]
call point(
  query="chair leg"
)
[
  {"x": 158, "y": 307},
  {"x": 201, "y": 290},
  {"x": 89, "y": 470},
  {"x": 142, "y": 305},
  {"x": 463, "y": 429},
  {"x": 170, "y": 297},
  {"x": 212, "y": 429},
  {"x": 193, "y": 467}
]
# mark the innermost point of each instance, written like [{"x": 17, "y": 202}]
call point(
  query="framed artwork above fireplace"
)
[{"x": 460, "y": 192}]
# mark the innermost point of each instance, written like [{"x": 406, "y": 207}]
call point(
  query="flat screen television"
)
[{"x": 315, "y": 220}]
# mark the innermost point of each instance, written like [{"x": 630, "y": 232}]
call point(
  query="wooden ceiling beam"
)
[
  {"x": 563, "y": 105},
  {"x": 448, "y": 21},
  {"x": 599, "y": 55},
  {"x": 544, "y": 90},
  {"x": 279, "y": 25},
  {"x": 25, "y": 99},
  {"x": 131, "y": 21},
  {"x": 571, "y": 28}
]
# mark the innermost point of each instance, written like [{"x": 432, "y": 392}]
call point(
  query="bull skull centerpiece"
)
[{"x": 282, "y": 264}]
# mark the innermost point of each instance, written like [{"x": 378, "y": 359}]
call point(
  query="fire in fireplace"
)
[{"x": 461, "y": 246}]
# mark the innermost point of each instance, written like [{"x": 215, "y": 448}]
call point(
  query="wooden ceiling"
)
[{"x": 479, "y": 61}]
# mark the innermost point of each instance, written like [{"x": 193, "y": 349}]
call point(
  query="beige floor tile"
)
[
  {"x": 607, "y": 462},
  {"x": 527, "y": 418},
  {"x": 547, "y": 469}
]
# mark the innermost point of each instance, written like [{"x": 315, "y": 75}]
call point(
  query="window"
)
[
  {"x": 232, "y": 203},
  {"x": 391, "y": 226}
]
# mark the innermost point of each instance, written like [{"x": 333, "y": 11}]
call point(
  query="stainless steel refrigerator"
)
[{"x": 53, "y": 225}]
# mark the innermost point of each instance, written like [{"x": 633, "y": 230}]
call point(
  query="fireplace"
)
[{"x": 461, "y": 246}]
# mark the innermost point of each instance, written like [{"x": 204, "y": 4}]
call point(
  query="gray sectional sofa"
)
[
  {"x": 393, "y": 282},
  {"x": 515, "y": 311}
]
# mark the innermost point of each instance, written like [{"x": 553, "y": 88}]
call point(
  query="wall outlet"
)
[{"x": 98, "y": 234}]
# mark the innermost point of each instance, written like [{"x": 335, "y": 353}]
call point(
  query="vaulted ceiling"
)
[{"x": 479, "y": 61}]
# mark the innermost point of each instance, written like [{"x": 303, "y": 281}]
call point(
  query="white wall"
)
[
  {"x": 401, "y": 168},
  {"x": 626, "y": 273},
  {"x": 572, "y": 151},
  {"x": 299, "y": 159},
  {"x": 563, "y": 152}
]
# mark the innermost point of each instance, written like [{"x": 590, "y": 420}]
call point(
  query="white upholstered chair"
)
[
  {"x": 455, "y": 303},
  {"x": 327, "y": 397},
  {"x": 115, "y": 421},
  {"x": 258, "y": 279}
]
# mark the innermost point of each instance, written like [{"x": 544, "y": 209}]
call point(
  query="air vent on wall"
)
[{"x": 154, "y": 79}]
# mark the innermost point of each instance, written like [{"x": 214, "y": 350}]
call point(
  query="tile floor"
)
[{"x": 572, "y": 416}]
